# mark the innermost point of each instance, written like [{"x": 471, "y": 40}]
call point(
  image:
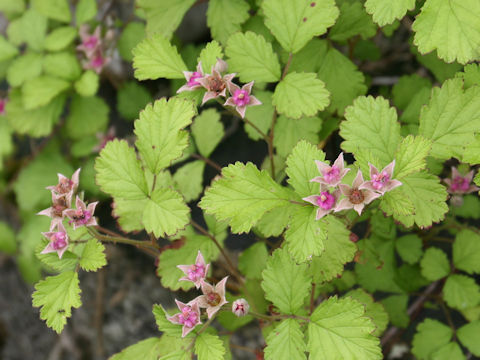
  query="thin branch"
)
[
  {"x": 122, "y": 240},
  {"x": 212, "y": 163}
]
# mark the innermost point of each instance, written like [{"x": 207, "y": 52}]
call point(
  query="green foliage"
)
[
  {"x": 410, "y": 156},
  {"x": 209, "y": 55},
  {"x": 85, "y": 11},
  {"x": 93, "y": 256},
  {"x": 253, "y": 260},
  {"x": 435, "y": 264},
  {"x": 189, "y": 180},
  {"x": 409, "y": 247},
  {"x": 7, "y": 50},
  {"x": 42, "y": 90},
  {"x": 290, "y": 131},
  {"x": 468, "y": 336},
  {"x": 131, "y": 36},
  {"x": 28, "y": 66},
  {"x": 207, "y": 130},
  {"x": 224, "y": 17},
  {"x": 33, "y": 29},
  {"x": 373, "y": 310},
  {"x": 88, "y": 116},
  {"x": 54, "y": 9},
  {"x": 286, "y": 342},
  {"x": 60, "y": 38},
  {"x": 396, "y": 307},
  {"x": 87, "y": 84},
  {"x": 384, "y": 13},
  {"x": 461, "y": 292},
  {"x": 353, "y": 20},
  {"x": 148, "y": 349},
  {"x": 8, "y": 243},
  {"x": 209, "y": 347},
  {"x": 132, "y": 98},
  {"x": 466, "y": 251},
  {"x": 430, "y": 336}
]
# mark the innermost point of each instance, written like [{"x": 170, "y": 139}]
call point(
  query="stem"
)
[
  {"x": 154, "y": 182},
  {"x": 212, "y": 163},
  {"x": 312, "y": 298},
  {"x": 122, "y": 240},
  {"x": 449, "y": 318}
]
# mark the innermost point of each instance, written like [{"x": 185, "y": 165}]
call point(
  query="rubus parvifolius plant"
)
[{"x": 361, "y": 209}]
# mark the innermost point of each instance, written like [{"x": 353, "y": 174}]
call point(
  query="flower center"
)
[
  {"x": 188, "y": 317},
  {"x": 331, "y": 174},
  {"x": 58, "y": 207},
  {"x": 193, "y": 79},
  {"x": 325, "y": 200},
  {"x": 82, "y": 216},
  {"x": 213, "y": 299},
  {"x": 379, "y": 180},
  {"x": 97, "y": 61},
  {"x": 91, "y": 42},
  {"x": 356, "y": 196},
  {"x": 241, "y": 97},
  {"x": 196, "y": 272},
  {"x": 59, "y": 240},
  {"x": 64, "y": 186},
  {"x": 460, "y": 183},
  {"x": 215, "y": 84}
]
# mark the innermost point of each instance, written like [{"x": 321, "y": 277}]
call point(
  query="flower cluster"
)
[
  {"x": 217, "y": 85},
  {"x": 459, "y": 185},
  {"x": 94, "y": 47},
  {"x": 82, "y": 215},
  {"x": 356, "y": 196}
]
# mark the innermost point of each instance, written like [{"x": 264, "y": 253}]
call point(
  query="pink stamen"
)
[
  {"x": 325, "y": 200},
  {"x": 58, "y": 240},
  {"x": 196, "y": 272},
  {"x": 379, "y": 180},
  {"x": 91, "y": 42},
  {"x": 241, "y": 97},
  {"x": 460, "y": 184},
  {"x": 331, "y": 174},
  {"x": 97, "y": 62},
  {"x": 193, "y": 79}
]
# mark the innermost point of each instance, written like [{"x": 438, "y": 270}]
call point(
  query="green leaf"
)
[
  {"x": 471, "y": 154},
  {"x": 373, "y": 310},
  {"x": 466, "y": 251},
  {"x": 34, "y": 29},
  {"x": 63, "y": 65},
  {"x": 300, "y": 94},
  {"x": 209, "y": 55},
  {"x": 402, "y": 90},
  {"x": 470, "y": 75},
  {"x": 224, "y": 17},
  {"x": 275, "y": 221},
  {"x": 260, "y": 116},
  {"x": 7, "y": 50},
  {"x": 286, "y": 342},
  {"x": 8, "y": 244},
  {"x": 41, "y": 90},
  {"x": 93, "y": 256},
  {"x": 252, "y": 57},
  {"x": 340, "y": 327},
  {"x": 119, "y": 172},
  {"x": 440, "y": 69},
  {"x": 155, "y": 58},
  {"x": 85, "y": 11},
  {"x": 451, "y": 119},
  {"x": 60, "y": 38},
  {"x": 396, "y": 306},
  {"x": 371, "y": 124},
  {"x": 435, "y": 264},
  {"x": 409, "y": 247},
  {"x": 88, "y": 116},
  {"x": 209, "y": 347},
  {"x": 131, "y": 99},
  {"x": 451, "y": 28},
  {"x": 242, "y": 196},
  {"x": 411, "y": 154},
  {"x": 189, "y": 180},
  {"x": 253, "y": 260},
  {"x": 431, "y": 335},
  {"x": 450, "y": 351},
  {"x": 8, "y": 6},
  {"x": 26, "y": 67},
  {"x": 160, "y": 138},
  {"x": 164, "y": 16},
  {"x": 353, "y": 20},
  {"x": 294, "y": 23},
  {"x": 286, "y": 284},
  {"x": 148, "y": 349},
  {"x": 461, "y": 292},
  {"x": 51, "y": 261},
  {"x": 131, "y": 36},
  {"x": 288, "y": 132},
  {"x": 384, "y": 13},
  {"x": 56, "y": 295},
  {"x": 468, "y": 335},
  {"x": 469, "y": 209},
  {"x": 207, "y": 130},
  {"x": 163, "y": 324},
  {"x": 88, "y": 83},
  {"x": 54, "y": 9}
]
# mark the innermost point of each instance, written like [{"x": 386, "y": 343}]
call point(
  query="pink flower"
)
[
  {"x": 326, "y": 201},
  {"x": 104, "y": 138},
  {"x": 240, "y": 307},
  {"x": 355, "y": 196},
  {"x": 197, "y": 272},
  {"x": 3, "y": 104},
  {"x": 192, "y": 79},
  {"x": 459, "y": 184},
  {"x": 331, "y": 175},
  {"x": 65, "y": 185},
  {"x": 60, "y": 203},
  {"x": 58, "y": 241},
  {"x": 241, "y": 98},
  {"x": 215, "y": 83},
  {"x": 189, "y": 316},
  {"x": 90, "y": 42},
  {"x": 96, "y": 62},
  {"x": 213, "y": 297},
  {"x": 82, "y": 215},
  {"x": 381, "y": 181}
]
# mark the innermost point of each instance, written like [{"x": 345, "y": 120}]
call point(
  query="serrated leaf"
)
[
  {"x": 60, "y": 38},
  {"x": 189, "y": 180},
  {"x": 242, "y": 196},
  {"x": 410, "y": 155},
  {"x": 470, "y": 75},
  {"x": 340, "y": 327},
  {"x": 353, "y": 20},
  {"x": 275, "y": 221},
  {"x": 88, "y": 116},
  {"x": 402, "y": 90},
  {"x": 468, "y": 335},
  {"x": 88, "y": 83},
  {"x": 207, "y": 130},
  {"x": 51, "y": 260},
  {"x": 461, "y": 292},
  {"x": 286, "y": 342},
  {"x": 384, "y": 13},
  {"x": 409, "y": 247},
  {"x": 209, "y": 347},
  {"x": 7, "y": 50},
  {"x": 466, "y": 251},
  {"x": 131, "y": 99},
  {"x": 253, "y": 260},
  {"x": 450, "y": 351},
  {"x": 56, "y": 295},
  {"x": 26, "y": 67},
  {"x": 300, "y": 94},
  {"x": 41, "y": 90},
  {"x": 155, "y": 58},
  {"x": 131, "y": 36},
  {"x": 451, "y": 28},
  {"x": 148, "y": 349},
  {"x": 54, "y": 9},
  {"x": 209, "y": 55},
  {"x": 396, "y": 306},
  {"x": 431, "y": 335},
  {"x": 93, "y": 256},
  {"x": 435, "y": 264},
  {"x": 163, "y": 324},
  {"x": 294, "y": 23},
  {"x": 373, "y": 310},
  {"x": 252, "y": 57},
  {"x": 160, "y": 138},
  {"x": 288, "y": 132},
  {"x": 85, "y": 11},
  {"x": 224, "y": 17},
  {"x": 33, "y": 26}
]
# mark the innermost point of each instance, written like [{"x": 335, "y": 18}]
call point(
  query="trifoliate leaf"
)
[
  {"x": 252, "y": 57},
  {"x": 85, "y": 11},
  {"x": 131, "y": 36},
  {"x": 56, "y": 295},
  {"x": 353, "y": 20},
  {"x": 449, "y": 27},
  {"x": 41, "y": 90},
  {"x": 88, "y": 83},
  {"x": 288, "y": 132},
  {"x": 27, "y": 66},
  {"x": 402, "y": 90},
  {"x": 466, "y": 251},
  {"x": 131, "y": 99},
  {"x": 253, "y": 260},
  {"x": 384, "y": 13},
  {"x": 93, "y": 256},
  {"x": 160, "y": 138},
  {"x": 34, "y": 29},
  {"x": 409, "y": 247},
  {"x": 340, "y": 327},
  {"x": 371, "y": 124},
  {"x": 209, "y": 56},
  {"x": 435, "y": 264},
  {"x": 209, "y": 347},
  {"x": 119, "y": 173},
  {"x": 148, "y": 349},
  {"x": 396, "y": 306},
  {"x": 468, "y": 335},
  {"x": 300, "y": 94},
  {"x": 431, "y": 335},
  {"x": 189, "y": 180},
  {"x": 286, "y": 284},
  {"x": 450, "y": 351},
  {"x": 224, "y": 17},
  {"x": 60, "y": 38},
  {"x": 63, "y": 65},
  {"x": 410, "y": 155},
  {"x": 242, "y": 196},
  {"x": 461, "y": 292},
  {"x": 207, "y": 130},
  {"x": 155, "y": 58},
  {"x": 54, "y": 9},
  {"x": 373, "y": 310},
  {"x": 294, "y": 23},
  {"x": 164, "y": 16},
  {"x": 286, "y": 342},
  {"x": 88, "y": 115},
  {"x": 8, "y": 244}
]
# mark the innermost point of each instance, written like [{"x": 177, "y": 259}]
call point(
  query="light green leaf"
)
[
  {"x": 286, "y": 342},
  {"x": 409, "y": 247},
  {"x": 468, "y": 335},
  {"x": 209, "y": 347},
  {"x": 209, "y": 55},
  {"x": 471, "y": 155},
  {"x": 163, "y": 324},
  {"x": 88, "y": 83},
  {"x": 470, "y": 75},
  {"x": 435, "y": 264},
  {"x": 9, "y": 6},
  {"x": 207, "y": 130},
  {"x": 260, "y": 116},
  {"x": 41, "y": 90},
  {"x": 8, "y": 244},
  {"x": 155, "y": 58},
  {"x": 294, "y": 23},
  {"x": 51, "y": 261},
  {"x": 431, "y": 335},
  {"x": 440, "y": 69},
  {"x": 60, "y": 38},
  {"x": 340, "y": 327},
  {"x": 129, "y": 213},
  {"x": 189, "y": 180},
  {"x": 7, "y": 50},
  {"x": 131, "y": 36},
  {"x": 450, "y": 351},
  {"x": 286, "y": 284},
  {"x": 242, "y": 196},
  {"x": 160, "y": 138},
  {"x": 384, "y": 13},
  {"x": 85, "y": 11},
  {"x": 288, "y": 133},
  {"x": 410, "y": 155},
  {"x": 56, "y": 295},
  {"x": 451, "y": 28},
  {"x": 373, "y": 310},
  {"x": 466, "y": 251},
  {"x": 148, "y": 349},
  {"x": 26, "y": 67},
  {"x": 63, "y": 65},
  {"x": 300, "y": 94},
  {"x": 461, "y": 292},
  {"x": 224, "y": 17},
  {"x": 252, "y": 57},
  {"x": 396, "y": 306},
  {"x": 131, "y": 99},
  {"x": 353, "y": 20},
  {"x": 469, "y": 209},
  {"x": 402, "y": 90},
  {"x": 34, "y": 29},
  {"x": 275, "y": 221},
  {"x": 253, "y": 260},
  {"x": 54, "y": 9},
  {"x": 88, "y": 115},
  {"x": 93, "y": 256},
  {"x": 371, "y": 124}
]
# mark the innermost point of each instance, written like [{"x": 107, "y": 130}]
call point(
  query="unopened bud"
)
[{"x": 240, "y": 307}]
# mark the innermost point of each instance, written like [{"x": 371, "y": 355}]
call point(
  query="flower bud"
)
[{"x": 240, "y": 307}]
